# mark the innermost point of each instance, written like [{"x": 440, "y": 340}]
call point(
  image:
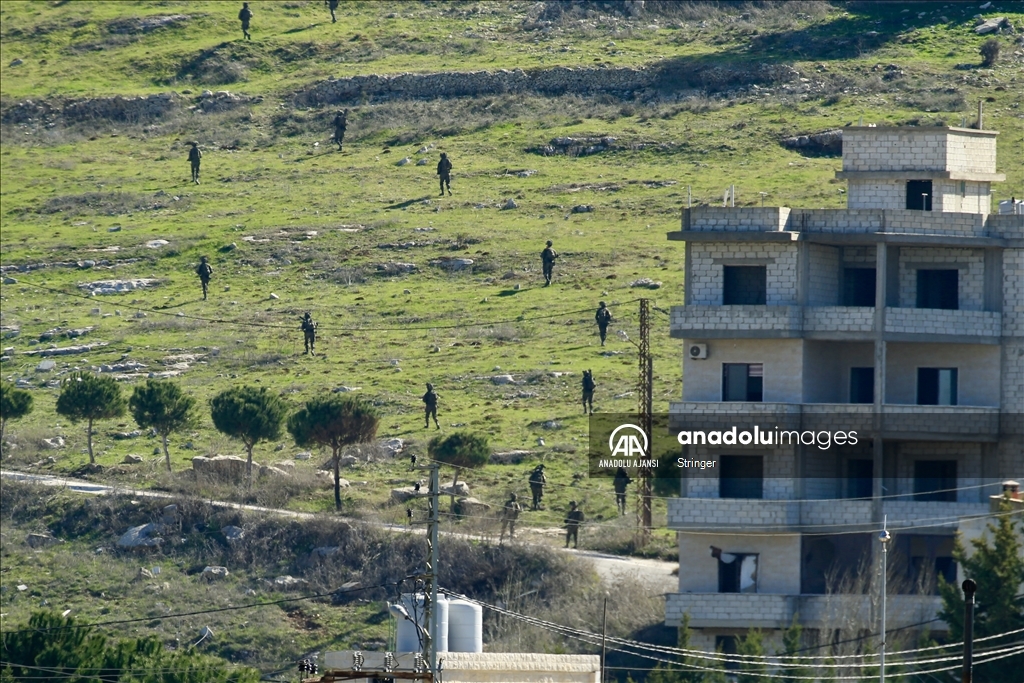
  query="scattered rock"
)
[
  {"x": 552, "y": 424},
  {"x": 392, "y": 447},
  {"x": 274, "y": 296},
  {"x": 503, "y": 379},
  {"x": 304, "y": 455},
  {"x": 582, "y": 208},
  {"x": 395, "y": 268},
  {"x": 143, "y": 536},
  {"x": 36, "y": 541},
  {"x": 55, "y": 442},
  {"x": 826, "y": 143},
  {"x": 992, "y": 25},
  {"x": 228, "y": 247},
  {"x": 645, "y": 283},
  {"x": 230, "y": 467},
  {"x": 404, "y": 161},
  {"x": 146, "y": 24},
  {"x": 347, "y": 461},
  {"x": 422, "y": 162},
  {"x": 142, "y": 575},
  {"x": 46, "y": 366},
  {"x": 345, "y": 390},
  {"x": 156, "y": 244},
  {"x": 17, "y": 62},
  {"x": 509, "y": 204},
  {"x": 471, "y": 506},
  {"x": 452, "y": 264},
  {"x": 101, "y": 287},
  {"x": 288, "y": 583},
  {"x": 121, "y": 436},
  {"x": 214, "y": 573},
  {"x": 510, "y": 457},
  {"x": 232, "y": 533},
  {"x": 460, "y": 488},
  {"x": 400, "y": 495},
  {"x": 132, "y": 459}
]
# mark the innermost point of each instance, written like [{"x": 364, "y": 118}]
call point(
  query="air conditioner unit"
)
[{"x": 698, "y": 351}]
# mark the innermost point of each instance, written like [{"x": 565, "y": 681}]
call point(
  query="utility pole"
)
[
  {"x": 604, "y": 636},
  {"x": 431, "y": 614},
  {"x": 884, "y": 537},
  {"x": 644, "y": 413},
  {"x": 969, "y": 587}
]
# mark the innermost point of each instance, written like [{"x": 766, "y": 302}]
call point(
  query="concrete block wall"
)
[
  {"x": 721, "y": 609},
  {"x": 935, "y": 223},
  {"x": 1010, "y": 226},
  {"x": 743, "y": 219},
  {"x": 967, "y": 196},
  {"x": 1013, "y": 292},
  {"x": 783, "y": 370},
  {"x": 968, "y": 467},
  {"x": 970, "y": 152},
  {"x": 855, "y": 612},
  {"x": 941, "y": 515},
  {"x": 978, "y": 377},
  {"x": 971, "y": 278},
  {"x": 824, "y": 275},
  {"x": 876, "y": 194},
  {"x": 859, "y": 257},
  {"x": 910, "y": 149},
  {"x": 707, "y": 274},
  {"x": 692, "y": 319},
  {"x": 839, "y": 319},
  {"x": 940, "y": 321}
]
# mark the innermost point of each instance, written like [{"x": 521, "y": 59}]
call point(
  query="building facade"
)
[{"x": 899, "y": 318}]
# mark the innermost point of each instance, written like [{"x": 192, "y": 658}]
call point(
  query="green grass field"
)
[{"x": 310, "y": 226}]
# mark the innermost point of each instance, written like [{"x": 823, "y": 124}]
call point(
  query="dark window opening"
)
[
  {"x": 830, "y": 563},
  {"x": 727, "y": 646},
  {"x": 741, "y": 476},
  {"x": 938, "y": 289},
  {"x": 862, "y": 385},
  {"x": 935, "y": 480},
  {"x": 860, "y": 475},
  {"x": 737, "y": 572},
  {"x": 919, "y": 195},
  {"x": 937, "y": 386},
  {"x": 926, "y": 560},
  {"x": 745, "y": 285},
  {"x": 858, "y": 286},
  {"x": 742, "y": 382}
]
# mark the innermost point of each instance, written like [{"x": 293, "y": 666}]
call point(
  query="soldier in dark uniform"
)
[
  {"x": 309, "y": 331},
  {"x": 245, "y": 16},
  {"x": 547, "y": 258},
  {"x": 508, "y": 518},
  {"x": 620, "y": 483},
  {"x": 588, "y": 391},
  {"x": 573, "y": 520},
  {"x": 340, "y": 124},
  {"x": 430, "y": 404},
  {"x": 537, "y": 483},
  {"x": 444, "y": 172},
  {"x": 332, "y": 5},
  {"x": 204, "y": 271},
  {"x": 603, "y": 318},
  {"x": 194, "y": 155}
]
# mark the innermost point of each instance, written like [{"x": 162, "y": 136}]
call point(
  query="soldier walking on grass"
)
[
  {"x": 620, "y": 483},
  {"x": 340, "y": 124},
  {"x": 573, "y": 520},
  {"x": 588, "y": 391},
  {"x": 204, "y": 270},
  {"x": 194, "y": 157},
  {"x": 430, "y": 406},
  {"x": 245, "y": 16},
  {"x": 603, "y": 318},
  {"x": 537, "y": 483},
  {"x": 309, "y": 332},
  {"x": 547, "y": 258},
  {"x": 509, "y": 517},
  {"x": 333, "y": 5},
  {"x": 444, "y": 173}
]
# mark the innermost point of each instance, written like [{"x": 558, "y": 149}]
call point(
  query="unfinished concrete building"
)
[{"x": 900, "y": 317}]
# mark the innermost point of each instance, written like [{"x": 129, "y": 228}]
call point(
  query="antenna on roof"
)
[{"x": 861, "y": 121}]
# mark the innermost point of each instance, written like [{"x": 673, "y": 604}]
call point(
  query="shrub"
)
[
  {"x": 15, "y": 404},
  {"x": 989, "y": 52}
]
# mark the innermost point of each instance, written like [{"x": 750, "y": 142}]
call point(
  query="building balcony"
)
[
  {"x": 845, "y": 515},
  {"x": 763, "y": 610},
  {"x": 837, "y": 323}
]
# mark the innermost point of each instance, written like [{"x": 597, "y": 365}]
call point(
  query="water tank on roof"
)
[
  {"x": 465, "y": 626},
  {"x": 407, "y": 637}
]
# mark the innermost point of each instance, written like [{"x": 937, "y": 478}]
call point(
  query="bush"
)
[
  {"x": 989, "y": 52},
  {"x": 460, "y": 449}
]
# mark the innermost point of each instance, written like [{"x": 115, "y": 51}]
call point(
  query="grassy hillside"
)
[{"x": 292, "y": 225}]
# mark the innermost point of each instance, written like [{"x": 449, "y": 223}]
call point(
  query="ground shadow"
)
[{"x": 408, "y": 202}]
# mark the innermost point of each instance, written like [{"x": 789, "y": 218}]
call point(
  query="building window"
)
[
  {"x": 926, "y": 558},
  {"x": 963, "y": 189},
  {"x": 741, "y": 476},
  {"x": 936, "y": 386},
  {"x": 737, "y": 572},
  {"x": 935, "y": 480},
  {"x": 919, "y": 195},
  {"x": 831, "y": 563},
  {"x": 859, "y": 476},
  {"x": 938, "y": 289},
  {"x": 858, "y": 286},
  {"x": 745, "y": 285},
  {"x": 862, "y": 385},
  {"x": 727, "y": 646},
  {"x": 742, "y": 382}
]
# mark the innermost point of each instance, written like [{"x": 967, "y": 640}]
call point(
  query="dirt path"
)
[{"x": 655, "y": 575}]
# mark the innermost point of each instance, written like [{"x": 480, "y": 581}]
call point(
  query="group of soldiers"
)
[
  {"x": 574, "y": 518},
  {"x": 245, "y": 16}
]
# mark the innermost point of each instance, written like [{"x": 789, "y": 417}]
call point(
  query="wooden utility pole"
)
[{"x": 646, "y": 417}]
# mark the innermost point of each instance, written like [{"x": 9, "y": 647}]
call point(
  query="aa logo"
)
[{"x": 628, "y": 444}]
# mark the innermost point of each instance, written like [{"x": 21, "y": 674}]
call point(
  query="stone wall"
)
[
  {"x": 117, "y": 108},
  {"x": 624, "y": 82}
]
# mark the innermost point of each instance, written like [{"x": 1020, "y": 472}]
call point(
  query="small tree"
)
[
  {"x": 998, "y": 569},
  {"x": 335, "y": 420},
  {"x": 794, "y": 670},
  {"x": 162, "y": 406},
  {"x": 15, "y": 404},
  {"x": 687, "y": 670},
  {"x": 90, "y": 397},
  {"x": 250, "y": 415},
  {"x": 461, "y": 450},
  {"x": 752, "y": 645},
  {"x": 989, "y": 52}
]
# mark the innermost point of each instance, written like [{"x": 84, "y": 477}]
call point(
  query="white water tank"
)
[
  {"x": 465, "y": 626},
  {"x": 407, "y": 638}
]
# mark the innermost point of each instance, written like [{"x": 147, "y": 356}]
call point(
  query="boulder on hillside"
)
[
  {"x": 143, "y": 536},
  {"x": 214, "y": 573},
  {"x": 400, "y": 495},
  {"x": 232, "y": 533},
  {"x": 825, "y": 143},
  {"x": 36, "y": 541},
  {"x": 471, "y": 507},
  {"x": 460, "y": 488}
]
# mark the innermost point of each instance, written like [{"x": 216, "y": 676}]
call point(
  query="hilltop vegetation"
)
[{"x": 363, "y": 242}]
